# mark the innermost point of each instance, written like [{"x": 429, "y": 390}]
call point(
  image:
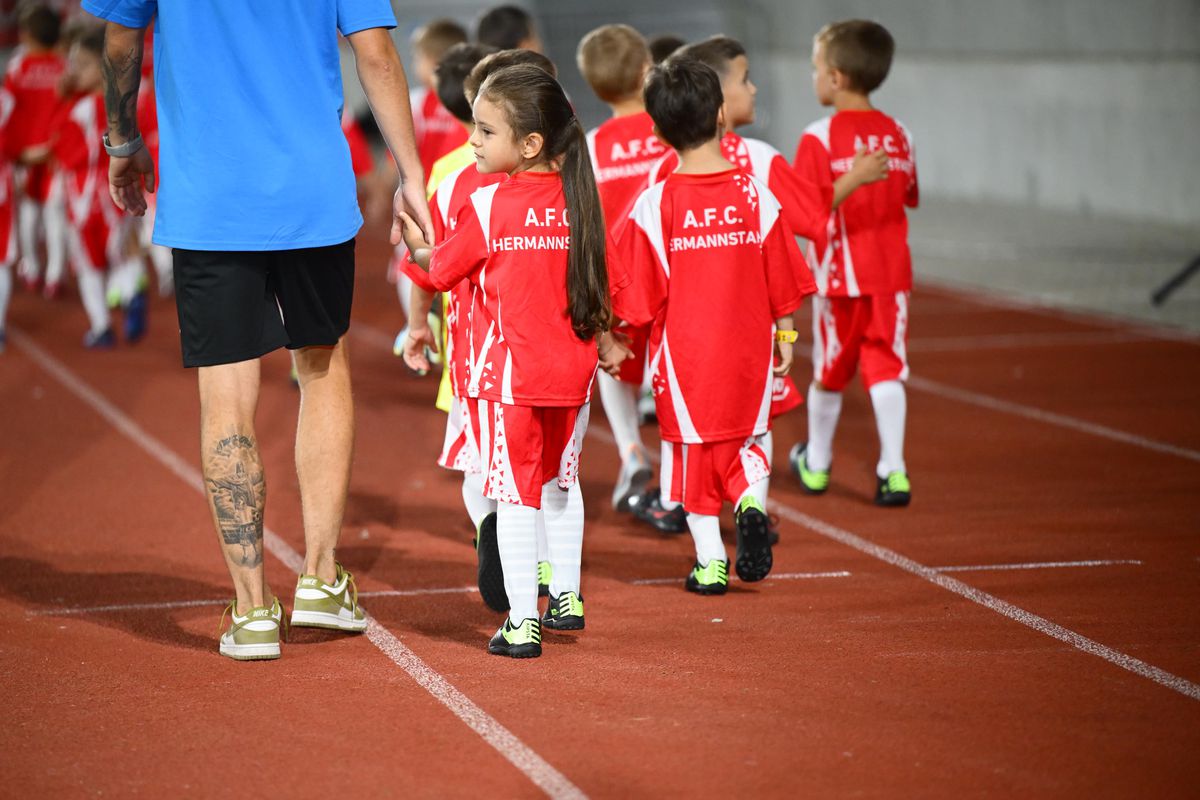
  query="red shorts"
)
[
  {"x": 8, "y": 217},
  {"x": 522, "y": 448},
  {"x": 784, "y": 395},
  {"x": 633, "y": 370},
  {"x": 702, "y": 476},
  {"x": 871, "y": 330},
  {"x": 460, "y": 451},
  {"x": 37, "y": 183}
]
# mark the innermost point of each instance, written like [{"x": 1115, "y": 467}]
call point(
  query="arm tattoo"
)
[
  {"x": 122, "y": 77},
  {"x": 238, "y": 490}
]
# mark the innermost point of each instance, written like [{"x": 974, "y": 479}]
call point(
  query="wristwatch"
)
[{"x": 123, "y": 150}]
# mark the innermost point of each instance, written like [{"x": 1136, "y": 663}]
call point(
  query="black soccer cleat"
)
[
  {"x": 520, "y": 641},
  {"x": 649, "y": 509},
  {"x": 754, "y": 558},
  {"x": 894, "y": 491},
  {"x": 565, "y": 613},
  {"x": 491, "y": 571}
]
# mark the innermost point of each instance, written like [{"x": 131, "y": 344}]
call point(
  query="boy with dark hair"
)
[
  {"x": 614, "y": 60},
  {"x": 508, "y": 28},
  {"x": 710, "y": 243},
  {"x": 862, "y": 262},
  {"x": 663, "y": 45},
  {"x": 31, "y": 80},
  {"x": 806, "y": 205}
]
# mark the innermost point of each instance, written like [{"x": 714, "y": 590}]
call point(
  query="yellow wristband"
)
[{"x": 787, "y": 337}]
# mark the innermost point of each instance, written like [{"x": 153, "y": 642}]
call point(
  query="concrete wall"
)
[{"x": 1089, "y": 106}]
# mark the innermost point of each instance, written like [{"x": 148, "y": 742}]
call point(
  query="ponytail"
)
[{"x": 536, "y": 103}]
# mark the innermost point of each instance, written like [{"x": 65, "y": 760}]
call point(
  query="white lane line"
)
[
  {"x": 990, "y": 602},
  {"x": 781, "y": 576},
  {"x": 55, "y": 612},
  {"x": 1002, "y": 607},
  {"x": 1049, "y": 417},
  {"x": 520, "y": 755},
  {"x": 950, "y": 344},
  {"x": 1035, "y": 565},
  {"x": 419, "y": 592}
]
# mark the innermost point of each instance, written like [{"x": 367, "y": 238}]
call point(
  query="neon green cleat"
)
[
  {"x": 565, "y": 613},
  {"x": 545, "y": 571},
  {"x": 521, "y": 641},
  {"x": 814, "y": 481},
  {"x": 322, "y": 605},
  {"x": 254, "y": 637},
  {"x": 710, "y": 579},
  {"x": 894, "y": 490}
]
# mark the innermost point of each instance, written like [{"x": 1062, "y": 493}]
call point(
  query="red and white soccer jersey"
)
[
  {"x": 805, "y": 203},
  {"x": 8, "y": 216},
  {"x": 863, "y": 248},
  {"x": 435, "y": 129},
  {"x": 96, "y": 223},
  {"x": 511, "y": 242},
  {"x": 713, "y": 265},
  {"x": 32, "y": 81}
]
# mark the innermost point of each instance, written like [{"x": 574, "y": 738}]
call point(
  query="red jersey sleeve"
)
[
  {"x": 913, "y": 196},
  {"x": 462, "y": 255},
  {"x": 640, "y": 301},
  {"x": 618, "y": 276},
  {"x": 788, "y": 276},
  {"x": 69, "y": 146},
  {"x": 812, "y": 163},
  {"x": 806, "y": 204}
]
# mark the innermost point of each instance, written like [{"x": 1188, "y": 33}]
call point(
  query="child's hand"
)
[
  {"x": 613, "y": 352},
  {"x": 785, "y": 358},
  {"x": 869, "y": 167},
  {"x": 414, "y": 237},
  {"x": 420, "y": 339}
]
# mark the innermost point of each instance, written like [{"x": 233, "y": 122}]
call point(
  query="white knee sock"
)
[
  {"x": 404, "y": 291},
  {"x": 5, "y": 294},
  {"x": 824, "y": 408},
  {"x": 666, "y": 474},
  {"x": 891, "y": 408},
  {"x": 55, "y": 216},
  {"x": 477, "y": 505},
  {"x": 517, "y": 536},
  {"x": 91, "y": 292},
  {"x": 543, "y": 547},
  {"x": 757, "y": 490},
  {"x": 29, "y": 215},
  {"x": 563, "y": 512},
  {"x": 768, "y": 446},
  {"x": 620, "y": 406},
  {"x": 706, "y": 533}
]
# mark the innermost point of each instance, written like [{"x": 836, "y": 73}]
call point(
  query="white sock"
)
[
  {"x": 563, "y": 512},
  {"x": 477, "y": 505},
  {"x": 891, "y": 408},
  {"x": 768, "y": 445},
  {"x": 706, "y": 533},
  {"x": 666, "y": 474},
  {"x": 5, "y": 293},
  {"x": 516, "y": 533},
  {"x": 824, "y": 408},
  {"x": 163, "y": 268},
  {"x": 757, "y": 490},
  {"x": 404, "y": 291},
  {"x": 543, "y": 547},
  {"x": 29, "y": 214},
  {"x": 56, "y": 240},
  {"x": 620, "y": 406},
  {"x": 91, "y": 292}
]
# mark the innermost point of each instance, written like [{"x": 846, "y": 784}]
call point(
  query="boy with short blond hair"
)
[
  {"x": 861, "y": 259},
  {"x": 614, "y": 60}
]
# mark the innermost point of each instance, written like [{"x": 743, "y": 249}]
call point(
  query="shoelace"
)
[
  {"x": 897, "y": 482},
  {"x": 231, "y": 610}
]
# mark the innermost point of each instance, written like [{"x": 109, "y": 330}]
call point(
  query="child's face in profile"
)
[
  {"x": 822, "y": 76},
  {"x": 739, "y": 93},
  {"x": 83, "y": 70},
  {"x": 495, "y": 145}
]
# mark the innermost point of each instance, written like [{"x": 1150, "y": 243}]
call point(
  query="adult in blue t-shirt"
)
[{"x": 258, "y": 203}]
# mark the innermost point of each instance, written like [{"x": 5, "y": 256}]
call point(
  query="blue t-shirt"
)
[{"x": 249, "y": 95}]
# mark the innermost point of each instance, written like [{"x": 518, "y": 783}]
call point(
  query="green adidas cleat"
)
[
  {"x": 814, "y": 481},
  {"x": 565, "y": 613},
  {"x": 710, "y": 579},
  {"x": 322, "y": 605},
  {"x": 893, "y": 491},
  {"x": 254, "y": 637},
  {"x": 545, "y": 572},
  {"x": 754, "y": 559},
  {"x": 521, "y": 641}
]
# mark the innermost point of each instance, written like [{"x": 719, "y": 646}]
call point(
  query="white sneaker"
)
[{"x": 255, "y": 636}]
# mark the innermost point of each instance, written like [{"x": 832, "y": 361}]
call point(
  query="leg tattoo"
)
[{"x": 238, "y": 489}]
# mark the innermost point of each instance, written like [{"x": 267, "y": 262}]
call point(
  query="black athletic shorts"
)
[{"x": 238, "y": 305}]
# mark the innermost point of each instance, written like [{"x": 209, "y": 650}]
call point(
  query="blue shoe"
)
[
  {"x": 135, "y": 317},
  {"x": 106, "y": 340}
]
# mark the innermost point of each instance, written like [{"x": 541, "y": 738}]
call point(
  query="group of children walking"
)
[
  {"x": 55, "y": 207},
  {"x": 659, "y": 247}
]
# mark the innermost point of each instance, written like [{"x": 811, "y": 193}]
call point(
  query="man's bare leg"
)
[
  {"x": 233, "y": 474},
  {"x": 324, "y": 448}
]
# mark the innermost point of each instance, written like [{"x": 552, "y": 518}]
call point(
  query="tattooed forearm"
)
[
  {"x": 122, "y": 66},
  {"x": 237, "y": 488}
]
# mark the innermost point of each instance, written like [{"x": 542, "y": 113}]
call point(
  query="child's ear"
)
[
  {"x": 531, "y": 146},
  {"x": 721, "y": 121}
]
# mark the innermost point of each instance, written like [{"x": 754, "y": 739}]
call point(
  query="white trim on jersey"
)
[
  {"x": 763, "y": 423},
  {"x": 482, "y": 199},
  {"x": 591, "y": 146},
  {"x": 647, "y": 215},
  {"x": 506, "y": 394},
  {"x": 768, "y": 207},
  {"x": 761, "y": 155},
  {"x": 900, "y": 337},
  {"x": 820, "y": 130},
  {"x": 445, "y": 191},
  {"x": 847, "y": 258},
  {"x": 687, "y": 429}
]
